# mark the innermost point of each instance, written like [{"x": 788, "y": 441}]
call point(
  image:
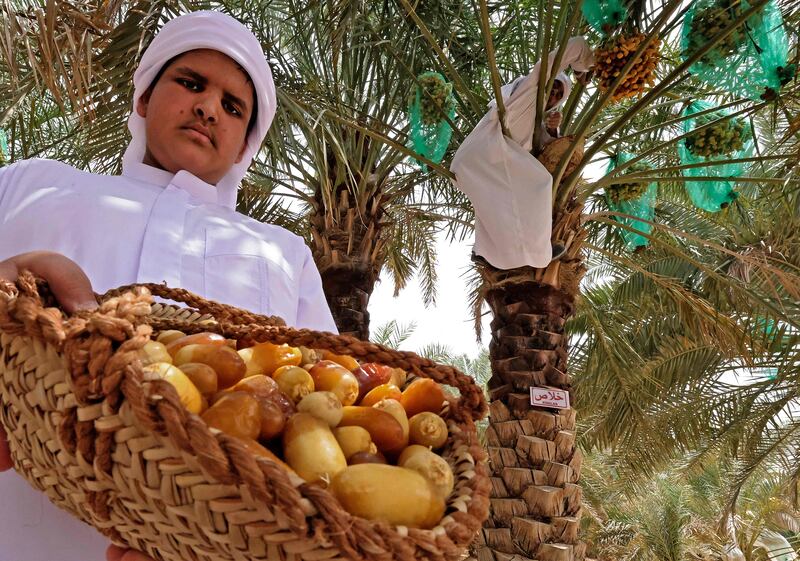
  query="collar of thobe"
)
[{"x": 183, "y": 180}]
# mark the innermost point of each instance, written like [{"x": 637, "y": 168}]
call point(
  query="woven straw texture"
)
[
  {"x": 114, "y": 446},
  {"x": 554, "y": 152}
]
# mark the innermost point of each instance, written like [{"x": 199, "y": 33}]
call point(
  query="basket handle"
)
[
  {"x": 221, "y": 312},
  {"x": 27, "y": 307},
  {"x": 243, "y": 325}
]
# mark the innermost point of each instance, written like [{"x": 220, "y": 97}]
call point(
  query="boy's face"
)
[
  {"x": 196, "y": 115},
  {"x": 555, "y": 94}
]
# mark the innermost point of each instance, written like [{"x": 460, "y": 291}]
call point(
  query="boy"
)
[
  {"x": 510, "y": 190},
  {"x": 203, "y": 102}
]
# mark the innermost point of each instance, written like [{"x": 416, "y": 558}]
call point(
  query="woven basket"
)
[
  {"x": 114, "y": 446},
  {"x": 554, "y": 152}
]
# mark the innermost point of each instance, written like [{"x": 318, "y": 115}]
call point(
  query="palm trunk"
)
[
  {"x": 349, "y": 252},
  {"x": 348, "y": 287},
  {"x": 535, "y": 498}
]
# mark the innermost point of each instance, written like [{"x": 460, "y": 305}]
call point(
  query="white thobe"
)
[
  {"x": 510, "y": 190},
  {"x": 148, "y": 225}
]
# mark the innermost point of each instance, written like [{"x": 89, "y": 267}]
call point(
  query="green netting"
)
[
  {"x": 431, "y": 102},
  {"x": 604, "y": 16},
  {"x": 633, "y": 199},
  {"x": 5, "y": 155},
  {"x": 752, "y": 61},
  {"x": 720, "y": 139},
  {"x": 770, "y": 45},
  {"x": 703, "y": 22}
]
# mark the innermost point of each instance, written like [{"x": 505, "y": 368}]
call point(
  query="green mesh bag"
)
[
  {"x": 432, "y": 100},
  {"x": 5, "y": 155},
  {"x": 634, "y": 199},
  {"x": 751, "y": 61},
  {"x": 724, "y": 139},
  {"x": 702, "y": 23},
  {"x": 604, "y": 16},
  {"x": 768, "y": 44}
]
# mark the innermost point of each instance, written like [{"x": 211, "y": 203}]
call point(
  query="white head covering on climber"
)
[{"x": 519, "y": 98}]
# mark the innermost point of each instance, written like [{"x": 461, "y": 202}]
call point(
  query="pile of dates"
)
[{"x": 358, "y": 429}]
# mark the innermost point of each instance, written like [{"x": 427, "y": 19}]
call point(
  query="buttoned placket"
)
[
  {"x": 193, "y": 250},
  {"x": 171, "y": 252},
  {"x": 160, "y": 260}
]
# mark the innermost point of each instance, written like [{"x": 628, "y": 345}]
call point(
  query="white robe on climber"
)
[{"x": 510, "y": 190}]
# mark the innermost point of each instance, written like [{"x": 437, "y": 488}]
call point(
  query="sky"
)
[{"x": 448, "y": 322}]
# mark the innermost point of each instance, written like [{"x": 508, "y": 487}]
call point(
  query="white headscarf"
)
[
  {"x": 564, "y": 79},
  {"x": 508, "y": 91},
  {"x": 219, "y": 32}
]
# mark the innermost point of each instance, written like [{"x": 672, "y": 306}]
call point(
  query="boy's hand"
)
[
  {"x": 69, "y": 283},
  {"x": 116, "y": 553},
  {"x": 552, "y": 122}
]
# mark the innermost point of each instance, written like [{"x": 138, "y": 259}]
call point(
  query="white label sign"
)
[{"x": 543, "y": 397}]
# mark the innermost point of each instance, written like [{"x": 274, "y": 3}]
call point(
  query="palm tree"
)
[
  {"x": 359, "y": 208},
  {"x": 678, "y": 515},
  {"x": 681, "y": 306}
]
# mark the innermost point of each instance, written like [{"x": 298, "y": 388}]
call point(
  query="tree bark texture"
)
[
  {"x": 349, "y": 250},
  {"x": 536, "y": 496}
]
